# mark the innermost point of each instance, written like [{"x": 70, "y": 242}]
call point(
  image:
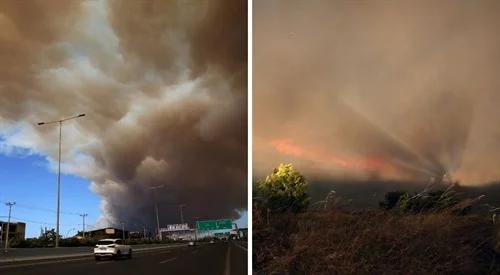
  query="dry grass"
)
[{"x": 375, "y": 242}]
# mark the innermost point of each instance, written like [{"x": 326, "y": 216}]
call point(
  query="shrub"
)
[
  {"x": 427, "y": 201},
  {"x": 391, "y": 199},
  {"x": 285, "y": 189}
]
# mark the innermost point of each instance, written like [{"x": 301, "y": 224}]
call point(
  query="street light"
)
[
  {"x": 123, "y": 230},
  {"x": 196, "y": 228},
  {"x": 156, "y": 208},
  {"x": 59, "y": 170},
  {"x": 180, "y": 210}
]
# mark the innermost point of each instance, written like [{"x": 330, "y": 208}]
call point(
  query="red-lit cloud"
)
[{"x": 322, "y": 157}]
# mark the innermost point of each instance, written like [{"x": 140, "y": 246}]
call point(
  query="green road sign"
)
[{"x": 214, "y": 225}]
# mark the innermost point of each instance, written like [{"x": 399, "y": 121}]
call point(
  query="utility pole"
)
[
  {"x": 180, "y": 210},
  {"x": 59, "y": 170},
  {"x": 123, "y": 230},
  {"x": 9, "y": 205},
  {"x": 83, "y": 216}
]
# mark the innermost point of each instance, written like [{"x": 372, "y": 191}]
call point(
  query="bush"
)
[
  {"x": 285, "y": 189},
  {"x": 72, "y": 242},
  {"x": 427, "y": 201},
  {"x": 391, "y": 199}
]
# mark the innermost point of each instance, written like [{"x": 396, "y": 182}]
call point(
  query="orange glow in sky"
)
[{"x": 287, "y": 147}]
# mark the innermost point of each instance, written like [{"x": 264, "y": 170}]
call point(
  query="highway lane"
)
[{"x": 219, "y": 258}]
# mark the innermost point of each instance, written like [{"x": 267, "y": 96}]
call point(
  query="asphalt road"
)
[{"x": 220, "y": 258}]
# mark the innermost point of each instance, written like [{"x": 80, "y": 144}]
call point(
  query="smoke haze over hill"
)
[{"x": 403, "y": 90}]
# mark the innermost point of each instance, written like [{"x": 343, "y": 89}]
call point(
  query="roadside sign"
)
[
  {"x": 214, "y": 224},
  {"x": 175, "y": 227}
]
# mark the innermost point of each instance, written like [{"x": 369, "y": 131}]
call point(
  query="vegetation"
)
[
  {"x": 47, "y": 239},
  {"x": 73, "y": 242},
  {"x": 431, "y": 232},
  {"x": 284, "y": 190},
  {"x": 391, "y": 199},
  {"x": 425, "y": 201},
  {"x": 375, "y": 242}
]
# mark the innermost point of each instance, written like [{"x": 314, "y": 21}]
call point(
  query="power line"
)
[
  {"x": 40, "y": 222},
  {"x": 43, "y": 209}
]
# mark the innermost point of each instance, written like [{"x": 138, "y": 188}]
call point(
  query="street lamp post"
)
[
  {"x": 181, "y": 206},
  {"x": 196, "y": 228},
  {"x": 59, "y": 170},
  {"x": 158, "y": 234},
  {"x": 123, "y": 230}
]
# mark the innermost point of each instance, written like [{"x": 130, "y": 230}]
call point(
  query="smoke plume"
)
[
  {"x": 403, "y": 90},
  {"x": 163, "y": 84}
]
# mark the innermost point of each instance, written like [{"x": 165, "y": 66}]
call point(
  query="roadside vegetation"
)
[
  {"x": 74, "y": 242},
  {"x": 430, "y": 232},
  {"x": 47, "y": 239}
]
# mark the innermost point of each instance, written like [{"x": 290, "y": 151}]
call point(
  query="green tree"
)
[{"x": 285, "y": 189}]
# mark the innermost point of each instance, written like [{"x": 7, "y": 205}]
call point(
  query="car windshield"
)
[{"x": 105, "y": 242}]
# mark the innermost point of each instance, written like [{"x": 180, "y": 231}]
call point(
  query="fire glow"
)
[{"x": 287, "y": 147}]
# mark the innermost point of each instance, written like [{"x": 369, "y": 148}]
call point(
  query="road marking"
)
[
  {"x": 82, "y": 255},
  {"x": 87, "y": 257},
  {"x": 228, "y": 262},
  {"x": 40, "y": 263},
  {"x": 168, "y": 260},
  {"x": 104, "y": 262},
  {"x": 242, "y": 247}
]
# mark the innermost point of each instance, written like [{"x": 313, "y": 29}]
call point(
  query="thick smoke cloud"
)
[
  {"x": 410, "y": 86},
  {"x": 163, "y": 84}
]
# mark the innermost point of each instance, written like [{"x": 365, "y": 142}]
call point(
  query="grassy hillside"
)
[{"x": 374, "y": 241}]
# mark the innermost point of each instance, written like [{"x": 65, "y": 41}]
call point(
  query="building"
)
[
  {"x": 178, "y": 232},
  {"x": 107, "y": 233},
  {"x": 17, "y": 230},
  {"x": 243, "y": 233},
  {"x": 239, "y": 233}
]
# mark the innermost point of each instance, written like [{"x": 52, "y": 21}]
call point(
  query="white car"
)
[
  {"x": 191, "y": 243},
  {"x": 112, "y": 248}
]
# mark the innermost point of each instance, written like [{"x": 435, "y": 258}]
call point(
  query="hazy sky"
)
[
  {"x": 163, "y": 84},
  {"x": 387, "y": 89}
]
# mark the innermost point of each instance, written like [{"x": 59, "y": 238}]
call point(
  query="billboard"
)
[
  {"x": 175, "y": 227},
  {"x": 214, "y": 225},
  {"x": 109, "y": 231}
]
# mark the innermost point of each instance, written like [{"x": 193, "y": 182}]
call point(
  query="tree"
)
[
  {"x": 391, "y": 199},
  {"x": 285, "y": 189}
]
